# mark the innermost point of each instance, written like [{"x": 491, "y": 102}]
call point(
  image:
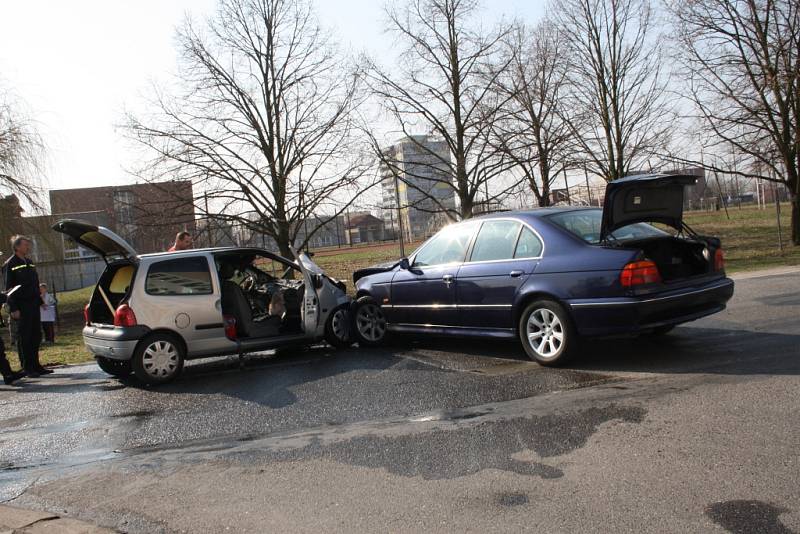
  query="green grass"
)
[{"x": 749, "y": 237}]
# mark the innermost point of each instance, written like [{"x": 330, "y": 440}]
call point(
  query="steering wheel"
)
[{"x": 248, "y": 283}]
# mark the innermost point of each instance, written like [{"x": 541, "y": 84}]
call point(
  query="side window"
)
[
  {"x": 184, "y": 276},
  {"x": 448, "y": 246},
  {"x": 496, "y": 241},
  {"x": 528, "y": 245}
]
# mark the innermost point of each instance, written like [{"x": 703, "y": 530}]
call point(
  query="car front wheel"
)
[
  {"x": 369, "y": 322},
  {"x": 158, "y": 359},
  {"x": 337, "y": 328},
  {"x": 114, "y": 367},
  {"x": 547, "y": 333}
]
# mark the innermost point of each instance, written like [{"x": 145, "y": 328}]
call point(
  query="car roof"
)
[
  {"x": 534, "y": 212},
  {"x": 209, "y": 250}
]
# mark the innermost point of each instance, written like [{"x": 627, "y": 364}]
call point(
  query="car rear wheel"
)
[
  {"x": 369, "y": 322},
  {"x": 337, "y": 328},
  {"x": 158, "y": 358},
  {"x": 114, "y": 367},
  {"x": 547, "y": 334}
]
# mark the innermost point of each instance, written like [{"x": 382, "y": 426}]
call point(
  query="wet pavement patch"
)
[
  {"x": 744, "y": 517},
  {"x": 511, "y": 498},
  {"x": 465, "y": 450}
]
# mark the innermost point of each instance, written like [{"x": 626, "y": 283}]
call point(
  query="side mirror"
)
[{"x": 404, "y": 264}]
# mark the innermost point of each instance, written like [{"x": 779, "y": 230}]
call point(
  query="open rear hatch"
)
[
  {"x": 658, "y": 198},
  {"x": 113, "y": 287},
  {"x": 646, "y": 198},
  {"x": 98, "y": 239}
]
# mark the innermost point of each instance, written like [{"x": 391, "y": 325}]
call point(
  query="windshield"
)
[{"x": 586, "y": 225}]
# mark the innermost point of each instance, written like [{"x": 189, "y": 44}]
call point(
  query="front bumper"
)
[
  {"x": 630, "y": 315},
  {"x": 113, "y": 342}
]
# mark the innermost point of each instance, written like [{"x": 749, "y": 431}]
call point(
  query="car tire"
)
[
  {"x": 158, "y": 358},
  {"x": 118, "y": 368},
  {"x": 369, "y": 322},
  {"x": 661, "y": 330},
  {"x": 338, "y": 328},
  {"x": 547, "y": 333}
]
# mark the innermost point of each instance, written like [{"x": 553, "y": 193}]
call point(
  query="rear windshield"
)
[{"x": 586, "y": 225}]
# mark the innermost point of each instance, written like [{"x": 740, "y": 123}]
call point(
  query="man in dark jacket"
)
[
  {"x": 24, "y": 304},
  {"x": 9, "y": 377}
]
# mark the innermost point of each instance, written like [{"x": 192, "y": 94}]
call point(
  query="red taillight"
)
[
  {"x": 124, "y": 316},
  {"x": 719, "y": 260},
  {"x": 86, "y": 314},
  {"x": 638, "y": 273},
  {"x": 230, "y": 326}
]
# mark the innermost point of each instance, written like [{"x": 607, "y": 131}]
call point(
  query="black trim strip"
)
[{"x": 209, "y": 326}]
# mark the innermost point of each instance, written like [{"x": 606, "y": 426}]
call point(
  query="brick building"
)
[{"x": 146, "y": 215}]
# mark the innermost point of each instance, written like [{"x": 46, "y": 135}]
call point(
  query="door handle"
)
[
  {"x": 448, "y": 279},
  {"x": 515, "y": 274}
]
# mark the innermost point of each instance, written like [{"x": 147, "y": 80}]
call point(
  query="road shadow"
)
[
  {"x": 269, "y": 379},
  {"x": 684, "y": 350}
]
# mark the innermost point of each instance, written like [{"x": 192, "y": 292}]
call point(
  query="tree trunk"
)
[{"x": 283, "y": 240}]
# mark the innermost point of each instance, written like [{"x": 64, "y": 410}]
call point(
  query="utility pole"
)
[
  {"x": 566, "y": 188},
  {"x": 399, "y": 213},
  {"x": 588, "y": 190}
]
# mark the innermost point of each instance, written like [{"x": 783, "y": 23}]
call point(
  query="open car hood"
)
[
  {"x": 644, "y": 198},
  {"x": 98, "y": 239}
]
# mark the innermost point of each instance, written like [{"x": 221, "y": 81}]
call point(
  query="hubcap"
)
[
  {"x": 545, "y": 333},
  {"x": 370, "y": 322},
  {"x": 339, "y": 325},
  {"x": 160, "y": 359}
]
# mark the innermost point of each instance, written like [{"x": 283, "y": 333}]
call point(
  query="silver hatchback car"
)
[{"x": 150, "y": 312}]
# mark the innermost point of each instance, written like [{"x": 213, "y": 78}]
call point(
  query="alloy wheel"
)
[
  {"x": 371, "y": 322},
  {"x": 545, "y": 333},
  {"x": 340, "y": 326}
]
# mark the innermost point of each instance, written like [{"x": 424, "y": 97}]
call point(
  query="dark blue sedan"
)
[{"x": 551, "y": 275}]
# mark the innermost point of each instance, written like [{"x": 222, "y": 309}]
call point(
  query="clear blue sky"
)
[{"x": 79, "y": 64}]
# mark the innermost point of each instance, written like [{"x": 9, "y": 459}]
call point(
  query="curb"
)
[{"x": 15, "y": 520}]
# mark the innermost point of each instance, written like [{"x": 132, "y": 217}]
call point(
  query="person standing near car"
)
[
  {"x": 24, "y": 304},
  {"x": 9, "y": 376},
  {"x": 183, "y": 241},
  {"x": 48, "y": 314}
]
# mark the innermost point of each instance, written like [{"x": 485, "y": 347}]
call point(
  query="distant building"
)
[
  {"x": 416, "y": 178},
  {"x": 363, "y": 228},
  {"x": 146, "y": 215},
  {"x": 347, "y": 229}
]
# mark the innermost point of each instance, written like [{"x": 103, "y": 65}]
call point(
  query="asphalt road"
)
[{"x": 697, "y": 431}]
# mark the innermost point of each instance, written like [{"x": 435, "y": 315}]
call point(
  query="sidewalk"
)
[{"x": 21, "y": 521}]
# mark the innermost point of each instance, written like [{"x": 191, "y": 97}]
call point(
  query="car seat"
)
[{"x": 235, "y": 303}]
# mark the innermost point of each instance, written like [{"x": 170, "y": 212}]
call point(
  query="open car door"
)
[
  {"x": 645, "y": 198},
  {"x": 98, "y": 239},
  {"x": 310, "y": 308}
]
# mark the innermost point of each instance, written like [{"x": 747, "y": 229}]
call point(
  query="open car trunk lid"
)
[
  {"x": 645, "y": 198},
  {"x": 98, "y": 239}
]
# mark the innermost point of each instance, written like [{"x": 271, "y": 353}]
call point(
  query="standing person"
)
[
  {"x": 183, "y": 241},
  {"x": 9, "y": 377},
  {"x": 47, "y": 311},
  {"x": 24, "y": 304}
]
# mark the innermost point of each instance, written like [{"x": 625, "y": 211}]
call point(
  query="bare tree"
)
[
  {"x": 443, "y": 86},
  {"x": 22, "y": 151},
  {"x": 533, "y": 132},
  {"x": 265, "y": 125},
  {"x": 616, "y": 82},
  {"x": 741, "y": 60}
]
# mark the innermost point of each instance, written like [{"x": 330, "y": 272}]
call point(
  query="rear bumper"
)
[
  {"x": 630, "y": 315},
  {"x": 113, "y": 342}
]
